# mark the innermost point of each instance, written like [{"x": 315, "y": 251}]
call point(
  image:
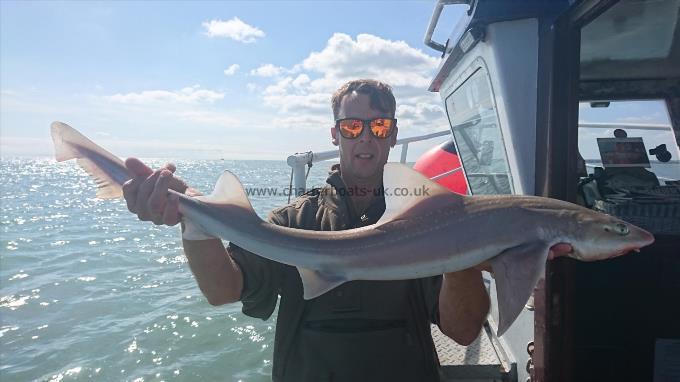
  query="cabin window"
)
[
  {"x": 474, "y": 122},
  {"x": 642, "y": 123}
]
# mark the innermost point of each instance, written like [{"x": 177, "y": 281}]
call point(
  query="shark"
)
[{"x": 420, "y": 234}]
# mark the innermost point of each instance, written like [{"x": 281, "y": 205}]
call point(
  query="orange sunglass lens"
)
[
  {"x": 351, "y": 128},
  {"x": 382, "y": 127}
]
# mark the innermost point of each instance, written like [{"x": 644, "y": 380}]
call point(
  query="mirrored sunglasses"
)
[{"x": 351, "y": 128}]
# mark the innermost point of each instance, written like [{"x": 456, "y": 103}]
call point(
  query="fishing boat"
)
[{"x": 513, "y": 79}]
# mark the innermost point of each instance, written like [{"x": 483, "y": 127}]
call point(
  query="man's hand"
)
[
  {"x": 560, "y": 249},
  {"x": 147, "y": 193},
  {"x": 218, "y": 276},
  {"x": 557, "y": 250}
]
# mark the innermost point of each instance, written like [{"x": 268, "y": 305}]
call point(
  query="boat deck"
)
[{"x": 483, "y": 360}]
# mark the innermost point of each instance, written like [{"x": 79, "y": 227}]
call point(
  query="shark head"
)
[{"x": 603, "y": 237}]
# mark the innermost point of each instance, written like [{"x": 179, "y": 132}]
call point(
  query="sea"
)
[{"x": 89, "y": 292}]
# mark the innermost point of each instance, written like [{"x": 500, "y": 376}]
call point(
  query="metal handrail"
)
[
  {"x": 447, "y": 173},
  {"x": 298, "y": 161},
  {"x": 630, "y": 126},
  {"x": 435, "y": 19}
]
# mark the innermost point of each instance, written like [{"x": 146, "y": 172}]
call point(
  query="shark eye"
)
[
  {"x": 618, "y": 228},
  {"x": 621, "y": 229}
]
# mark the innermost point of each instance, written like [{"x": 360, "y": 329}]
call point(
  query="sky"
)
[{"x": 233, "y": 80}]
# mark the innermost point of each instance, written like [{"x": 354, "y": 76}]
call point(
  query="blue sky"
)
[
  {"x": 210, "y": 79},
  {"x": 237, "y": 80}
]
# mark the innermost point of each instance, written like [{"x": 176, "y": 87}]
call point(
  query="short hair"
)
[{"x": 380, "y": 95}]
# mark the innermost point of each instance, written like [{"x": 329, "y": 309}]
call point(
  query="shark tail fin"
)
[
  {"x": 108, "y": 170},
  {"x": 228, "y": 191},
  {"x": 516, "y": 272}
]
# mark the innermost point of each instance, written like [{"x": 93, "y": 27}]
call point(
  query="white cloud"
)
[
  {"x": 311, "y": 122},
  {"x": 394, "y": 62},
  {"x": 231, "y": 70},
  {"x": 188, "y": 95},
  {"x": 267, "y": 70},
  {"x": 212, "y": 118},
  {"x": 300, "y": 81},
  {"x": 425, "y": 110},
  {"x": 295, "y": 99},
  {"x": 234, "y": 29},
  {"x": 306, "y": 88},
  {"x": 426, "y": 115},
  {"x": 314, "y": 102}
]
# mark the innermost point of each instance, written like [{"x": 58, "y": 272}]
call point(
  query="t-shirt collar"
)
[{"x": 371, "y": 215}]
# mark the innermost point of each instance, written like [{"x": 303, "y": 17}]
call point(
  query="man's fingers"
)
[
  {"x": 176, "y": 183},
  {"x": 484, "y": 266},
  {"x": 192, "y": 192},
  {"x": 130, "y": 189},
  {"x": 171, "y": 212},
  {"x": 145, "y": 190},
  {"x": 147, "y": 193},
  {"x": 170, "y": 167},
  {"x": 139, "y": 171},
  {"x": 137, "y": 167},
  {"x": 158, "y": 196},
  {"x": 560, "y": 249}
]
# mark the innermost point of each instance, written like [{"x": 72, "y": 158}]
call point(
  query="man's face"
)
[{"x": 364, "y": 157}]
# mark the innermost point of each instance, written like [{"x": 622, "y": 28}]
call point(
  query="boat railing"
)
[
  {"x": 299, "y": 161},
  {"x": 628, "y": 126},
  {"x": 434, "y": 20}
]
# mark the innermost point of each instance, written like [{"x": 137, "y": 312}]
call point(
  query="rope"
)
[
  {"x": 309, "y": 167},
  {"x": 290, "y": 186},
  {"x": 292, "y": 171}
]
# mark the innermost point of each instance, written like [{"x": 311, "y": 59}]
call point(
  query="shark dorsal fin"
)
[
  {"x": 406, "y": 188},
  {"x": 228, "y": 190}
]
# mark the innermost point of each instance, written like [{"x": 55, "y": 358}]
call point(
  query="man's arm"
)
[
  {"x": 218, "y": 276},
  {"x": 464, "y": 303}
]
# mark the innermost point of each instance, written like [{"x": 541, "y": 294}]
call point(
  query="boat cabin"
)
[
  {"x": 520, "y": 82},
  {"x": 576, "y": 100}
]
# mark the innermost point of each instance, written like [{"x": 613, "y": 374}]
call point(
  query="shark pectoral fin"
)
[
  {"x": 316, "y": 283},
  {"x": 228, "y": 190},
  {"x": 516, "y": 272}
]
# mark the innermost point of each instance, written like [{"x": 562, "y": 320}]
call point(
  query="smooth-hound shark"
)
[{"x": 418, "y": 235}]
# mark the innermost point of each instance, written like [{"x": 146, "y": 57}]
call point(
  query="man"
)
[{"x": 362, "y": 330}]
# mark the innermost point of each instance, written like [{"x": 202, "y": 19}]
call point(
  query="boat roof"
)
[
  {"x": 483, "y": 12},
  {"x": 632, "y": 48},
  {"x": 633, "y": 40}
]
